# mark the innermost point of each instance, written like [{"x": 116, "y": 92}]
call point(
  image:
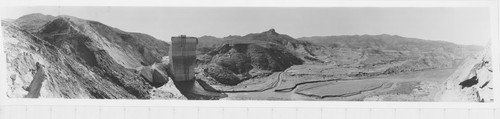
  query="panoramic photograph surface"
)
[{"x": 439, "y": 54}]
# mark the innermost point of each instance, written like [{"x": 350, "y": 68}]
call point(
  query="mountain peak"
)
[
  {"x": 207, "y": 36},
  {"x": 271, "y": 32},
  {"x": 32, "y": 22},
  {"x": 72, "y": 18},
  {"x": 36, "y": 16}
]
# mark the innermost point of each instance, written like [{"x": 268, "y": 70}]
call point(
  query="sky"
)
[{"x": 461, "y": 25}]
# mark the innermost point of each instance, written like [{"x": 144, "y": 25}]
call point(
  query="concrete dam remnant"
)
[
  {"x": 182, "y": 62},
  {"x": 183, "y": 56}
]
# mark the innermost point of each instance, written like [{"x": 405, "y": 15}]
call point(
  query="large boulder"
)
[
  {"x": 146, "y": 72},
  {"x": 156, "y": 74},
  {"x": 160, "y": 74}
]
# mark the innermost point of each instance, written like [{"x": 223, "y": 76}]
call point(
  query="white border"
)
[
  {"x": 258, "y": 3},
  {"x": 492, "y": 4}
]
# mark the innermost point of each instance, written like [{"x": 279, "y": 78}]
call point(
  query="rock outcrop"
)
[
  {"x": 36, "y": 84},
  {"x": 239, "y": 58},
  {"x": 472, "y": 82}
]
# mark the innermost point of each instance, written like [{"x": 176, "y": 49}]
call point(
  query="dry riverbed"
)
[{"x": 411, "y": 86}]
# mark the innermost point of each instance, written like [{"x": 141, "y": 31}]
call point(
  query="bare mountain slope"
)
[
  {"x": 70, "y": 57},
  {"x": 128, "y": 49},
  {"x": 63, "y": 76}
]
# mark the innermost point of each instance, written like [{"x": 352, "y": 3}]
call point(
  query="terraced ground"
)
[
  {"x": 339, "y": 89},
  {"x": 411, "y": 86},
  {"x": 251, "y": 85}
]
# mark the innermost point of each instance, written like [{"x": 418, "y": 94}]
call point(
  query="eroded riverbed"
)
[{"x": 410, "y": 86}]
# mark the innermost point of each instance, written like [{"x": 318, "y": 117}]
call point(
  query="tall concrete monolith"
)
[{"x": 182, "y": 57}]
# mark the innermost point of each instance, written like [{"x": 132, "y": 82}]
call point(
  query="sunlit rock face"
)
[{"x": 473, "y": 81}]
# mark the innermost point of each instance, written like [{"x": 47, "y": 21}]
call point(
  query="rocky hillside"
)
[
  {"x": 128, "y": 49},
  {"x": 472, "y": 82},
  {"x": 241, "y": 60},
  {"x": 69, "y": 57}
]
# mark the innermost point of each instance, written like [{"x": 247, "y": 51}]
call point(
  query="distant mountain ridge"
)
[
  {"x": 321, "y": 45},
  {"x": 387, "y": 42},
  {"x": 382, "y": 41},
  {"x": 267, "y": 36}
]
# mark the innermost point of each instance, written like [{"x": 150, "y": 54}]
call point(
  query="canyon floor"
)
[{"x": 411, "y": 86}]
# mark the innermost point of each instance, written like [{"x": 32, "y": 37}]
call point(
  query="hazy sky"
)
[{"x": 458, "y": 25}]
